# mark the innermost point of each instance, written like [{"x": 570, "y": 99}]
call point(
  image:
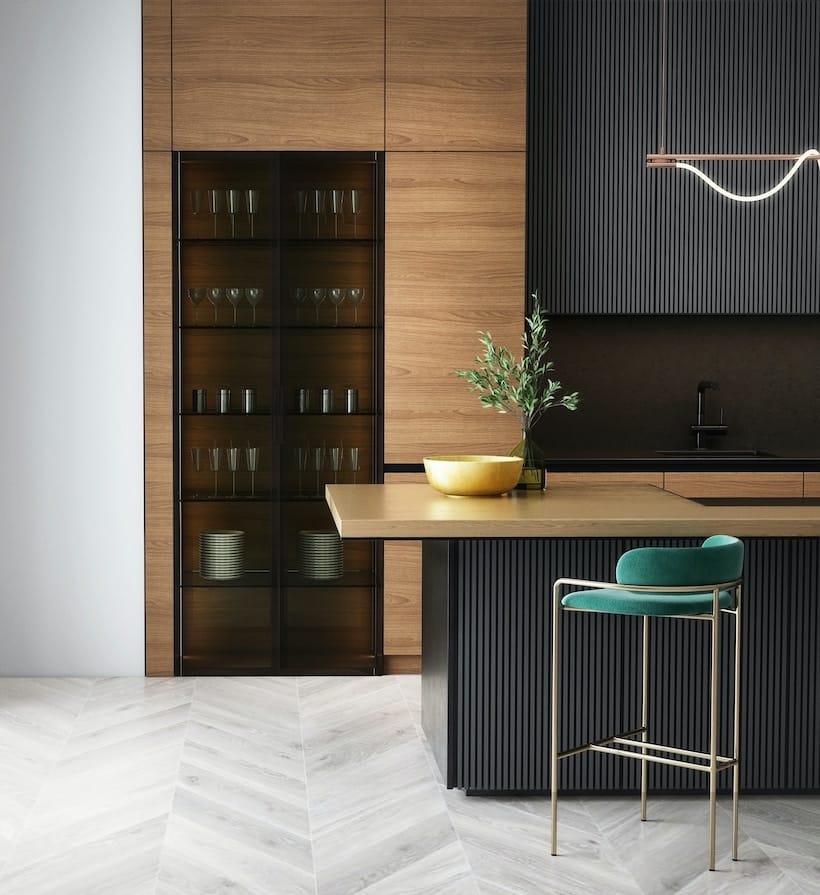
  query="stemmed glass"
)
[
  {"x": 300, "y": 455},
  {"x": 233, "y": 196},
  {"x": 318, "y": 454},
  {"x": 353, "y": 453},
  {"x": 215, "y": 295},
  {"x": 196, "y": 459},
  {"x": 233, "y": 465},
  {"x": 300, "y": 198},
  {"x": 214, "y": 205},
  {"x": 214, "y": 459},
  {"x": 317, "y": 205},
  {"x": 356, "y": 296},
  {"x": 299, "y": 294},
  {"x": 234, "y": 295},
  {"x": 356, "y": 197},
  {"x": 337, "y": 198},
  {"x": 252, "y": 197},
  {"x": 195, "y": 296},
  {"x": 337, "y": 455},
  {"x": 336, "y": 296},
  {"x": 196, "y": 202},
  {"x": 252, "y": 462},
  {"x": 317, "y": 296},
  {"x": 254, "y": 296}
]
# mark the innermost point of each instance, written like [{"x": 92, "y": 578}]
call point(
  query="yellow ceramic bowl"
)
[{"x": 472, "y": 475}]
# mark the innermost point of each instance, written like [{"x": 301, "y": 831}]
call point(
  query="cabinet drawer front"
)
[{"x": 735, "y": 484}]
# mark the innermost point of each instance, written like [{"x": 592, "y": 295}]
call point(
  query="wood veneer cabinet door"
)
[
  {"x": 735, "y": 484},
  {"x": 454, "y": 265},
  {"x": 605, "y": 478},
  {"x": 156, "y": 74},
  {"x": 278, "y": 74},
  {"x": 811, "y": 484},
  {"x": 159, "y": 436},
  {"x": 456, "y": 74}
]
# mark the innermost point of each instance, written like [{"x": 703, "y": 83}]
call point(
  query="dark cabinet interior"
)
[{"x": 279, "y": 392}]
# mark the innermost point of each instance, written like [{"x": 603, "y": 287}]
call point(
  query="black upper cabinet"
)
[{"x": 608, "y": 236}]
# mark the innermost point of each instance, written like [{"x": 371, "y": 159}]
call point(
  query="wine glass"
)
[
  {"x": 195, "y": 296},
  {"x": 300, "y": 198},
  {"x": 317, "y": 205},
  {"x": 336, "y": 296},
  {"x": 233, "y": 196},
  {"x": 300, "y": 456},
  {"x": 215, "y": 296},
  {"x": 356, "y": 197},
  {"x": 234, "y": 295},
  {"x": 195, "y": 197},
  {"x": 214, "y": 459},
  {"x": 252, "y": 462},
  {"x": 317, "y": 296},
  {"x": 252, "y": 198},
  {"x": 214, "y": 205},
  {"x": 254, "y": 296},
  {"x": 356, "y": 294},
  {"x": 337, "y": 198},
  {"x": 196, "y": 459},
  {"x": 353, "y": 453},
  {"x": 233, "y": 465},
  {"x": 337, "y": 455},
  {"x": 318, "y": 454},
  {"x": 298, "y": 295}
]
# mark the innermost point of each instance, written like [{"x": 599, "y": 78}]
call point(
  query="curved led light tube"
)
[{"x": 812, "y": 154}]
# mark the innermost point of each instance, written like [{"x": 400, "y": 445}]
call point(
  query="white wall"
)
[{"x": 71, "y": 463}]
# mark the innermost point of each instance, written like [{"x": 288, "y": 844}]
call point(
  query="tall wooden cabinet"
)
[{"x": 439, "y": 86}]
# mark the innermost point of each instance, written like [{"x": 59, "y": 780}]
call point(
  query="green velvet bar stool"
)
[{"x": 694, "y": 583}]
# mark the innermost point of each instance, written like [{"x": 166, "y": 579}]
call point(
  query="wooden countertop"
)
[{"x": 417, "y": 511}]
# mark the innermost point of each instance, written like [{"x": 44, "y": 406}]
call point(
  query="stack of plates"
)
[
  {"x": 221, "y": 554},
  {"x": 320, "y": 554}
]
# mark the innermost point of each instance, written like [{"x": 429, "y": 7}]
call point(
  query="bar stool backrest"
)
[{"x": 718, "y": 560}]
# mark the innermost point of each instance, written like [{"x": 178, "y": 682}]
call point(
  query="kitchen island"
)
[{"x": 488, "y": 567}]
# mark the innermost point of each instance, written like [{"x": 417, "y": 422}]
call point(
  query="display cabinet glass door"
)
[{"x": 279, "y": 392}]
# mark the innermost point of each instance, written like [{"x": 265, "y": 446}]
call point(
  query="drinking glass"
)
[
  {"x": 337, "y": 198},
  {"x": 252, "y": 199},
  {"x": 356, "y": 295},
  {"x": 336, "y": 296},
  {"x": 234, "y": 295},
  {"x": 196, "y": 459},
  {"x": 300, "y": 456},
  {"x": 317, "y": 296},
  {"x": 353, "y": 453},
  {"x": 214, "y": 459},
  {"x": 195, "y": 296},
  {"x": 336, "y": 457},
  {"x": 318, "y": 454},
  {"x": 298, "y": 295},
  {"x": 252, "y": 462},
  {"x": 214, "y": 205},
  {"x": 300, "y": 199},
  {"x": 233, "y": 196},
  {"x": 195, "y": 197},
  {"x": 316, "y": 198},
  {"x": 254, "y": 296},
  {"x": 233, "y": 465},
  {"x": 215, "y": 296},
  {"x": 356, "y": 208}
]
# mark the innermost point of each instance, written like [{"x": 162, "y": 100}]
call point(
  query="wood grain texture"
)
[
  {"x": 402, "y": 589},
  {"x": 156, "y": 74},
  {"x": 292, "y": 74},
  {"x": 454, "y": 265},
  {"x": 402, "y": 664},
  {"x": 456, "y": 74},
  {"x": 735, "y": 484},
  {"x": 605, "y": 478},
  {"x": 158, "y": 386},
  {"x": 811, "y": 484}
]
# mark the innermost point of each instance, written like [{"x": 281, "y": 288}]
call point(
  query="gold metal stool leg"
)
[
  {"x": 713, "y": 723},
  {"x": 556, "y": 664},
  {"x": 736, "y": 744},
  {"x": 644, "y": 711}
]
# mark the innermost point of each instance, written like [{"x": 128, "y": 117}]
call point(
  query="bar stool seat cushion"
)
[{"x": 630, "y": 602}]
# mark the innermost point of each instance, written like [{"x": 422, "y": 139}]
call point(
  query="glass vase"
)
[{"x": 534, "y": 471}]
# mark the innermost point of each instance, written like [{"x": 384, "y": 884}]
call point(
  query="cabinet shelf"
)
[
  {"x": 259, "y": 497},
  {"x": 358, "y": 579},
  {"x": 228, "y": 327},
  {"x": 249, "y": 580}
]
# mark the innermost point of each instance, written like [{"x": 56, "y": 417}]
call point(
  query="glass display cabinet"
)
[{"x": 279, "y": 391}]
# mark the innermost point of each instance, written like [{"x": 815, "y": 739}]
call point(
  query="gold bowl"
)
[{"x": 472, "y": 475}]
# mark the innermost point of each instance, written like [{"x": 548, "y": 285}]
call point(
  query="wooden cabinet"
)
[
  {"x": 605, "y": 478},
  {"x": 287, "y": 74},
  {"x": 735, "y": 484},
  {"x": 454, "y": 265},
  {"x": 456, "y": 74}
]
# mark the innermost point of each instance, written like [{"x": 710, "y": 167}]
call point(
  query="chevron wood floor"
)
[{"x": 272, "y": 786}]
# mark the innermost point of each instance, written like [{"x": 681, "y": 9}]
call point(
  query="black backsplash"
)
[{"x": 638, "y": 378}]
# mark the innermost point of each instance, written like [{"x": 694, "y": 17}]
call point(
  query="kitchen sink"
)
[{"x": 710, "y": 454}]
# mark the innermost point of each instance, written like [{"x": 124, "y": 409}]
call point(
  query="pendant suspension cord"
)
[{"x": 664, "y": 27}]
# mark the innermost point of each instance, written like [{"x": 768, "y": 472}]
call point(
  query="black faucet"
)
[{"x": 701, "y": 427}]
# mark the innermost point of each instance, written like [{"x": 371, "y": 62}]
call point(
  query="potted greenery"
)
[{"x": 521, "y": 386}]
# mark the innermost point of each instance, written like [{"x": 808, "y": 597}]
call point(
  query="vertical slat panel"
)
[{"x": 607, "y": 236}]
